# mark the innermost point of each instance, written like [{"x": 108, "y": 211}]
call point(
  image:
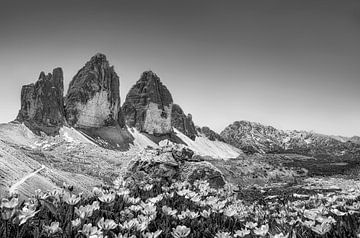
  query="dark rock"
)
[
  {"x": 148, "y": 105},
  {"x": 210, "y": 134},
  {"x": 93, "y": 98},
  {"x": 42, "y": 106},
  {"x": 192, "y": 171},
  {"x": 184, "y": 154},
  {"x": 162, "y": 167},
  {"x": 182, "y": 122}
]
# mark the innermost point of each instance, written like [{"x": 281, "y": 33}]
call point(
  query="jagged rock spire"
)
[{"x": 42, "y": 105}]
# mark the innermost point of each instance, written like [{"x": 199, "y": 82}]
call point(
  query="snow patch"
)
[
  {"x": 205, "y": 147},
  {"x": 140, "y": 140},
  {"x": 73, "y": 136}
]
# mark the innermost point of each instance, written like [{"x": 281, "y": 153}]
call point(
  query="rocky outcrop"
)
[
  {"x": 182, "y": 122},
  {"x": 42, "y": 106},
  {"x": 210, "y": 134},
  {"x": 148, "y": 105},
  {"x": 173, "y": 162},
  {"x": 93, "y": 98}
]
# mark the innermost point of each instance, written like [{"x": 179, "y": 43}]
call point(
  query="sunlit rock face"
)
[
  {"x": 93, "y": 98},
  {"x": 42, "y": 106},
  {"x": 148, "y": 105}
]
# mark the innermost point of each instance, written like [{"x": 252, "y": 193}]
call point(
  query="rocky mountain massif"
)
[
  {"x": 92, "y": 106},
  {"x": 254, "y": 137},
  {"x": 42, "y": 103}
]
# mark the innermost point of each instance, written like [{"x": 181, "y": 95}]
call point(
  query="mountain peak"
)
[
  {"x": 42, "y": 106},
  {"x": 93, "y": 98},
  {"x": 148, "y": 105}
]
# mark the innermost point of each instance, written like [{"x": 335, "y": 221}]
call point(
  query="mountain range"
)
[
  {"x": 253, "y": 137},
  {"x": 88, "y": 137}
]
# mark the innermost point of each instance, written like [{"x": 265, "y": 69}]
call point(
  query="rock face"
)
[
  {"x": 182, "y": 122},
  {"x": 93, "y": 98},
  {"x": 148, "y": 106},
  {"x": 42, "y": 106},
  {"x": 256, "y": 138}
]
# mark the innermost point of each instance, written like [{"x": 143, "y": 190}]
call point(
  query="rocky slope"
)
[
  {"x": 93, "y": 98},
  {"x": 148, "y": 105},
  {"x": 256, "y": 138},
  {"x": 42, "y": 106}
]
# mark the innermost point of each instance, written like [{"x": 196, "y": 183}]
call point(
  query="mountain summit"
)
[
  {"x": 148, "y": 105},
  {"x": 93, "y": 98},
  {"x": 42, "y": 106}
]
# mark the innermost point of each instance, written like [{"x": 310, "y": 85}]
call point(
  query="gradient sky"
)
[{"x": 290, "y": 64}]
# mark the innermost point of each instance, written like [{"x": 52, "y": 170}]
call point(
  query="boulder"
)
[
  {"x": 182, "y": 122},
  {"x": 192, "y": 171},
  {"x": 148, "y": 105},
  {"x": 42, "y": 106},
  {"x": 93, "y": 98}
]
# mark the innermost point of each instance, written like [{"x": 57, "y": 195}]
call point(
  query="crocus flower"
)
[
  {"x": 25, "y": 214},
  {"x": 107, "y": 224},
  {"x": 180, "y": 232},
  {"x": 53, "y": 228},
  {"x": 242, "y": 232},
  {"x": 262, "y": 231}
]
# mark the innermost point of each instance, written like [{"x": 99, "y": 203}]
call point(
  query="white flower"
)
[
  {"x": 26, "y": 213},
  {"x": 71, "y": 199},
  {"x": 309, "y": 223},
  {"x": 262, "y": 231},
  {"x": 180, "y": 232},
  {"x": 280, "y": 235},
  {"x": 107, "y": 224},
  {"x": 76, "y": 222},
  {"x": 168, "y": 211},
  {"x": 148, "y": 187},
  {"x": 322, "y": 229},
  {"x": 91, "y": 231},
  {"x": 337, "y": 212},
  {"x": 87, "y": 211},
  {"x": 251, "y": 225},
  {"x": 152, "y": 234},
  {"x": 128, "y": 225},
  {"x": 107, "y": 198},
  {"x": 53, "y": 228},
  {"x": 222, "y": 234},
  {"x": 205, "y": 213},
  {"x": 242, "y": 232},
  {"x": 230, "y": 211}
]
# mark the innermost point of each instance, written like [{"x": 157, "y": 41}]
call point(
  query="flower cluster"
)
[{"x": 178, "y": 210}]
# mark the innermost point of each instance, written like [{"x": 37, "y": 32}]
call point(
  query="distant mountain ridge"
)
[{"x": 252, "y": 137}]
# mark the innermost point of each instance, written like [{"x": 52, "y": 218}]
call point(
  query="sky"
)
[{"x": 286, "y": 63}]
